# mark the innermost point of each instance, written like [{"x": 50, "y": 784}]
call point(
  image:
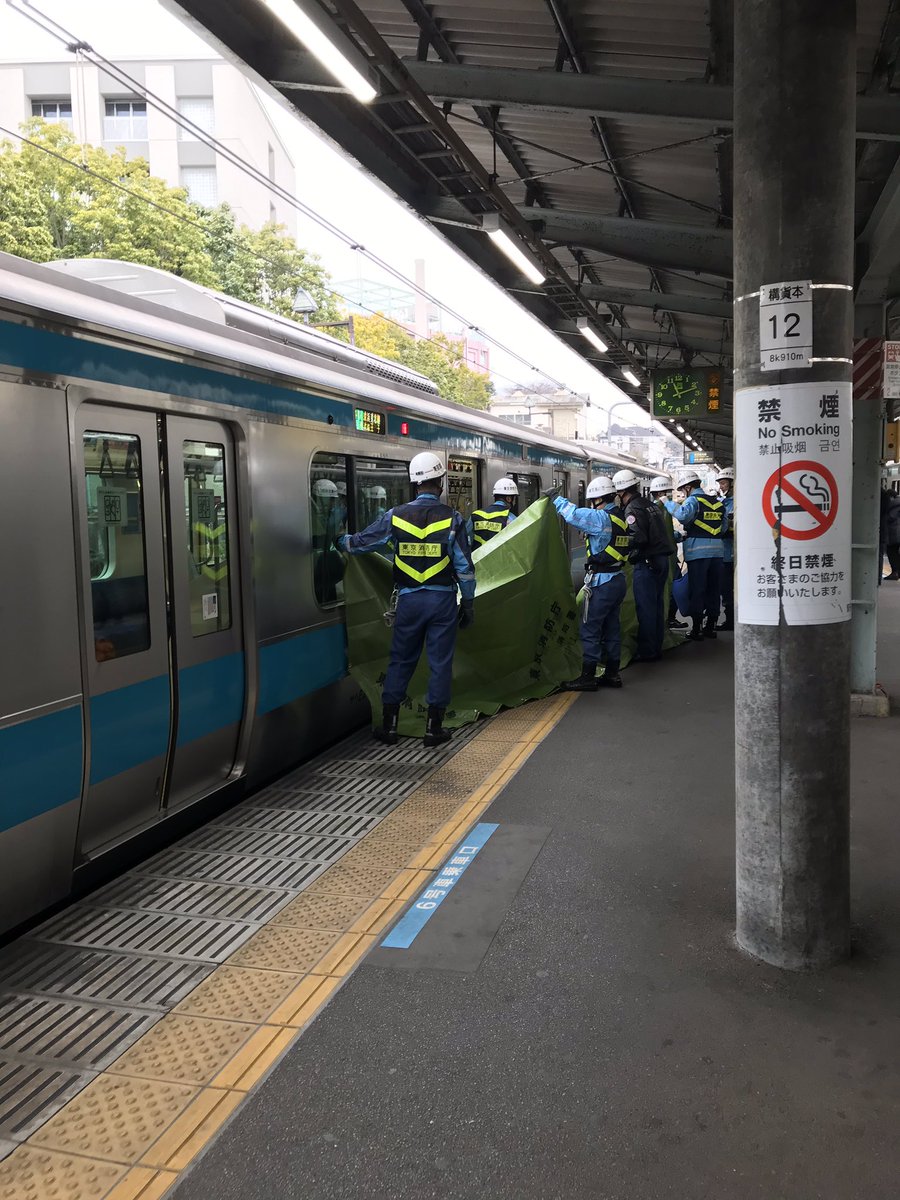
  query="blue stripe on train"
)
[
  {"x": 40, "y": 766},
  {"x": 61, "y": 354},
  {"x": 41, "y": 759},
  {"x": 300, "y": 665}
]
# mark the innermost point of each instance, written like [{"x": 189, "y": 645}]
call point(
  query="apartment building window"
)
[
  {"x": 125, "y": 121},
  {"x": 53, "y": 110},
  {"x": 201, "y": 185},
  {"x": 198, "y": 109}
]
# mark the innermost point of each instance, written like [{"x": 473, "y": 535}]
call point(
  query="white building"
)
[
  {"x": 211, "y": 93},
  {"x": 559, "y": 414}
]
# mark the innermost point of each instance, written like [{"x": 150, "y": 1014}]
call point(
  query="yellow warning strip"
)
[{"x": 128, "y": 1134}]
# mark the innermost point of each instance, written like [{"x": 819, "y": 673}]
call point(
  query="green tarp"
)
[{"x": 525, "y": 638}]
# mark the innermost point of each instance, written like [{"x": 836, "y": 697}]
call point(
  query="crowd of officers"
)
[{"x": 432, "y": 562}]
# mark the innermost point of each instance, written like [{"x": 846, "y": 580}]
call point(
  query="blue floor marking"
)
[{"x": 408, "y": 929}]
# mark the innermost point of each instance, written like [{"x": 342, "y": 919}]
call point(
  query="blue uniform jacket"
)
[
  {"x": 380, "y": 533},
  {"x": 596, "y": 524},
  {"x": 728, "y": 543},
  {"x": 496, "y": 506},
  {"x": 695, "y": 547}
]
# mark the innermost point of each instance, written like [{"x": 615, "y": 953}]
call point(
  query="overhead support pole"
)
[{"x": 794, "y": 146}]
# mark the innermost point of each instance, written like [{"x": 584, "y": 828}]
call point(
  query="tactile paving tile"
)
[
  {"x": 115, "y": 1118},
  {"x": 316, "y": 911},
  {"x": 191, "y": 898},
  {"x": 83, "y": 1035},
  {"x": 146, "y": 933},
  {"x": 47, "y": 969},
  {"x": 222, "y": 839},
  {"x": 33, "y": 1174},
  {"x": 184, "y": 1049},
  {"x": 284, "y": 948},
  {"x": 341, "y": 880},
  {"x": 239, "y": 994},
  {"x": 178, "y": 863},
  {"x": 389, "y": 853},
  {"x": 29, "y": 1093}
]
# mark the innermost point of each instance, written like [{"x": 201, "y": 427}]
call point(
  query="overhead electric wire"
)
[{"x": 75, "y": 45}]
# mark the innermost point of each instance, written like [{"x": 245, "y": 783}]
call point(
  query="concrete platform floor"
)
[{"x": 611, "y": 1042}]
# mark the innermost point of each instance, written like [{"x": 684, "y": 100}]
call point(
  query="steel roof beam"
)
[
  {"x": 703, "y": 306},
  {"x": 682, "y": 101},
  {"x": 651, "y": 243},
  {"x": 656, "y": 337}
]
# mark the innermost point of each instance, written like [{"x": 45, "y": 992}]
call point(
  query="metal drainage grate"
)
[
  {"x": 233, "y": 868},
  {"x": 333, "y": 802},
  {"x": 29, "y": 1094},
  {"x": 48, "y": 970},
  {"x": 342, "y": 825},
  {"x": 146, "y": 933},
  {"x": 265, "y": 844},
  {"x": 192, "y": 898},
  {"x": 65, "y": 1032}
]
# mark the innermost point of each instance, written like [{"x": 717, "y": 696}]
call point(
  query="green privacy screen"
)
[{"x": 525, "y": 638}]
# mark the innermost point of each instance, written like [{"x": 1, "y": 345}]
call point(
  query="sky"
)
[{"x": 333, "y": 185}]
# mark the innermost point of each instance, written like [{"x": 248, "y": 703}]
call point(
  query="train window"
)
[
  {"x": 328, "y": 516},
  {"x": 582, "y": 490},
  {"x": 380, "y": 485},
  {"x": 115, "y": 528},
  {"x": 206, "y": 520},
  {"x": 529, "y": 488},
  {"x": 462, "y": 484}
]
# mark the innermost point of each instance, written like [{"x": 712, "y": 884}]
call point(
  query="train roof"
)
[{"x": 156, "y": 309}]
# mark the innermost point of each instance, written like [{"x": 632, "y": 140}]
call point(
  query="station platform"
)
[{"x": 573, "y": 1018}]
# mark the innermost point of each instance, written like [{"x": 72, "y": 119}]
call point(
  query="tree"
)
[
  {"x": 59, "y": 199},
  {"x": 440, "y": 358}
]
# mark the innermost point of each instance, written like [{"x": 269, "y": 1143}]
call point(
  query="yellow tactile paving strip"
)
[{"x": 129, "y": 1132}]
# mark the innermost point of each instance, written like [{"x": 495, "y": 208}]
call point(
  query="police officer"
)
[
  {"x": 661, "y": 490},
  {"x": 725, "y": 480},
  {"x": 649, "y": 550},
  {"x": 486, "y": 523},
  {"x": 431, "y": 560},
  {"x": 703, "y": 518},
  {"x": 606, "y": 544}
]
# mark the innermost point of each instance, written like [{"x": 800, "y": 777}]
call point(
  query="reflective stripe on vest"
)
[
  {"x": 486, "y": 524},
  {"x": 612, "y": 556},
  {"x": 711, "y": 525},
  {"x": 421, "y": 549}
]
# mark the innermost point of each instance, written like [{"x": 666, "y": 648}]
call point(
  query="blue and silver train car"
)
[{"x": 175, "y": 466}]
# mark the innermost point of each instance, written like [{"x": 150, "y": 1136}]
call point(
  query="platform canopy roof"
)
[{"x": 599, "y": 134}]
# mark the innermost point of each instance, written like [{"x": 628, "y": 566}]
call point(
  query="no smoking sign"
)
[{"x": 800, "y": 500}]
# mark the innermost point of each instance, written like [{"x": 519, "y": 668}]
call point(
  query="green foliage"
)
[
  {"x": 59, "y": 199},
  {"x": 440, "y": 358}
]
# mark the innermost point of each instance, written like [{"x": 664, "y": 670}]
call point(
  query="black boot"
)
[
  {"x": 709, "y": 628},
  {"x": 390, "y": 718},
  {"x": 696, "y": 634},
  {"x": 435, "y": 734},
  {"x": 610, "y": 677},
  {"x": 586, "y": 681}
]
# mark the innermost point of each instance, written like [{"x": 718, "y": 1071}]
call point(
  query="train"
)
[{"x": 175, "y": 465}]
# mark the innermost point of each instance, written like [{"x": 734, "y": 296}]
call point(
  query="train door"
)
[
  {"x": 164, "y": 663},
  {"x": 127, "y": 683},
  {"x": 205, "y": 604},
  {"x": 561, "y": 480}
]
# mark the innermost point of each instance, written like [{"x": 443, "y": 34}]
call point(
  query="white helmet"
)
[
  {"x": 688, "y": 475},
  {"x": 426, "y": 466},
  {"x": 725, "y": 473},
  {"x": 325, "y": 489},
  {"x": 504, "y": 486},
  {"x": 624, "y": 480},
  {"x": 660, "y": 483},
  {"x": 600, "y": 486},
  {"x": 376, "y": 493}
]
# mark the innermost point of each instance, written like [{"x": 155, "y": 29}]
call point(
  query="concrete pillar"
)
[{"x": 794, "y": 104}]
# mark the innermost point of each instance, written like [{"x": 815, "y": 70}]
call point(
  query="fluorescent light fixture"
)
[
  {"x": 631, "y": 377},
  {"x": 586, "y": 331},
  {"x": 310, "y": 27},
  {"x": 680, "y": 428},
  {"x": 514, "y": 250}
]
